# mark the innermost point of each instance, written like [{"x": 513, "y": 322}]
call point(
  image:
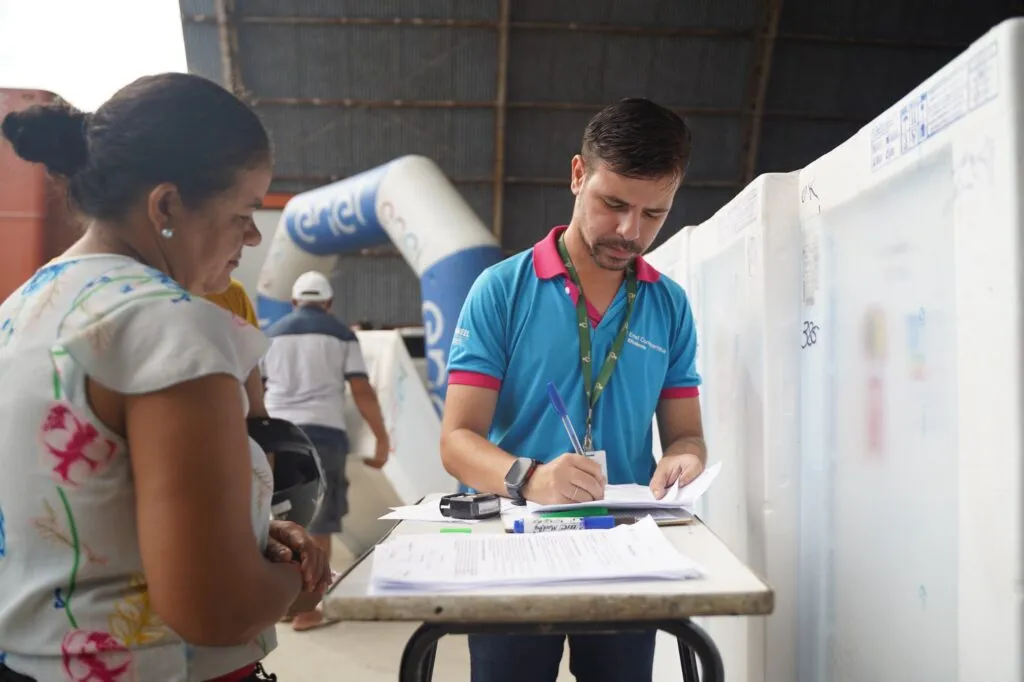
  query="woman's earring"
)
[{"x": 167, "y": 233}]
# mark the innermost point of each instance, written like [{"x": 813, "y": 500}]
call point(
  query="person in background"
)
[
  {"x": 136, "y": 540},
  {"x": 236, "y": 300},
  {"x": 311, "y": 358},
  {"x": 584, "y": 310}
]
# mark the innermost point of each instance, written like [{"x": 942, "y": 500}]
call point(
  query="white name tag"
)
[{"x": 602, "y": 459}]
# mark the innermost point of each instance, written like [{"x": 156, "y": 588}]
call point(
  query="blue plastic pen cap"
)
[
  {"x": 599, "y": 522},
  {"x": 519, "y": 526}
]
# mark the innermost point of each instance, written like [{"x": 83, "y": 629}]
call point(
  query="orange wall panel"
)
[{"x": 23, "y": 201}]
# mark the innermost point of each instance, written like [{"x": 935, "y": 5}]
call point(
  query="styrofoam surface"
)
[
  {"x": 860, "y": 343},
  {"x": 414, "y": 466},
  {"x": 742, "y": 277},
  {"x": 912, "y": 414}
]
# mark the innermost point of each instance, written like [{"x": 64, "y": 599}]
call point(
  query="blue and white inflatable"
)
[{"x": 408, "y": 201}]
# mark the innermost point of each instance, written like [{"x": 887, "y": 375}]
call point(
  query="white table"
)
[{"x": 730, "y": 589}]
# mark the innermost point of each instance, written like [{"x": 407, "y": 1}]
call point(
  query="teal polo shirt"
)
[{"x": 518, "y": 330}]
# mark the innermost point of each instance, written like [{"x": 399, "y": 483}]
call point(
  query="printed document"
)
[{"x": 457, "y": 561}]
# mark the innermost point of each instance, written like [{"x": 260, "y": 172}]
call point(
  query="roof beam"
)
[
  {"x": 349, "y": 103},
  {"x": 574, "y": 27},
  {"x": 869, "y": 41},
  {"x": 500, "y": 116},
  {"x": 318, "y": 180},
  {"x": 227, "y": 37},
  {"x": 757, "y": 85}
]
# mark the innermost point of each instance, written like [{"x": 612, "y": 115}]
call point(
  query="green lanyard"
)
[{"x": 594, "y": 390}]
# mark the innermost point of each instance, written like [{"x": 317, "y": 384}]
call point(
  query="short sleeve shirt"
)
[
  {"x": 73, "y": 597},
  {"x": 236, "y": 299},
  {"x": 518, "y": 330}
]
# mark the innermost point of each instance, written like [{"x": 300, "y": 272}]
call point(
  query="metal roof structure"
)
[{"x": 498, "y": 92}]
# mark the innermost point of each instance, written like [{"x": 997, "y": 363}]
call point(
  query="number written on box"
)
[{"x": 810, "y": 335}]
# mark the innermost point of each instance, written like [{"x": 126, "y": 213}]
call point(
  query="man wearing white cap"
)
[{"x": 312, "y": 355}]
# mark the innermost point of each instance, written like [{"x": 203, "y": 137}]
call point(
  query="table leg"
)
[
  {"x": 418, "y": 657},
  {"x": 693, "y": 640},
  {"x": 688, "y": 661}
]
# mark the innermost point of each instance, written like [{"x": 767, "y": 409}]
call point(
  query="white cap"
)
[{"x": 312, "y": 286}]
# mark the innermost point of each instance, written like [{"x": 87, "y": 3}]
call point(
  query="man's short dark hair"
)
[{"x": 638, "y": 139}]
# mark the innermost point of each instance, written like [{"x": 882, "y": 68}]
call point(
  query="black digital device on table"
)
[{"x": 470, "y": 506}]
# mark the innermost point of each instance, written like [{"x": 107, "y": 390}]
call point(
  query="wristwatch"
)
[{"x": 517, "y": 478}]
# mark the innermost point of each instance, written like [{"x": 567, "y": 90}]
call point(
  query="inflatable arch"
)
[{"x": 408, "y": 201}]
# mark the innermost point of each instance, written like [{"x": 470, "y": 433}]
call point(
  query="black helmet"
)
[{"x": 298, "y": 477}]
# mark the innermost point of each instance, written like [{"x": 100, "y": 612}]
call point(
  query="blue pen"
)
[
  {"x": 556, "y": 402},
  {"x": 534, "y": 525}
]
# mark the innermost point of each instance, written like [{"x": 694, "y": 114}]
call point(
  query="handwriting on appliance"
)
[{"x": 810, "y": 333}]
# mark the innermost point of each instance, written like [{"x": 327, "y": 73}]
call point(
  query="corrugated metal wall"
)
[{"x": 345, "y": 85}]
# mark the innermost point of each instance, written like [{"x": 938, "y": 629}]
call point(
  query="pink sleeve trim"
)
[
  {"x": 474, "y": 379},
  {"x": 680, "y": 392}
]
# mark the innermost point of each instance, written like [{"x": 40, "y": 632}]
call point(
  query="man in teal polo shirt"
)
[{"x": 584, "y": 310}]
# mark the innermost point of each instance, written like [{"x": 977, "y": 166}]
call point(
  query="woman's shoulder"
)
[
  {"x": 99, "y": 278},
  {"x": 141, "y": 330},
  {"x": 100, "y": 291}
]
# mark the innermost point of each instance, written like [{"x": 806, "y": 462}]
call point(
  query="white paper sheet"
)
[
  {"x": 450, "y": 562},
  {"x": 427, "y": 511},
  {"x": 634, "y": 496}
]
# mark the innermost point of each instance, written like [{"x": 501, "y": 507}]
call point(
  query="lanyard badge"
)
[{"x": 594, "y": 389}]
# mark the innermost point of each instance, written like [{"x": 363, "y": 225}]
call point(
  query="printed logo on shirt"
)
[
  {"x": 643, "y": 343},
  {"x": 461, "y": 334}
]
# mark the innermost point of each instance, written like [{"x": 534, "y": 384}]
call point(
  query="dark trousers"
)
[
  {"x": 8, "y": 675},
  {"x": 624, "y": 657}
]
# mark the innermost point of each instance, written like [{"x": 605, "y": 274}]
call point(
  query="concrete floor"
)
[
  {"x": 368, "y": 652},
  {"x": 371, "y": 652}
]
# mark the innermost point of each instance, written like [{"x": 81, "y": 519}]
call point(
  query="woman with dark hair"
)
[{"x": 136, "y": 540}]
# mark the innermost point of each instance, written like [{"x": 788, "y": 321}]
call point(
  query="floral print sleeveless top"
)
[{"x": 73, "y": 598}]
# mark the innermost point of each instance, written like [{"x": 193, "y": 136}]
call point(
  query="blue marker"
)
[
  {"x": 563, "y": 414},
  {"x": 549, "y": 525}
]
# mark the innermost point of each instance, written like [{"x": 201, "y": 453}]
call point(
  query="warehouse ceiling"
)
[{"x": 497, "y": 92}]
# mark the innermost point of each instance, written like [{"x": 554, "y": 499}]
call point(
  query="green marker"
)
[
  {"x": 456, "y": 530},
  {"x": 575, "y": 513}
]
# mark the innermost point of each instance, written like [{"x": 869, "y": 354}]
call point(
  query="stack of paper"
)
[
  {"x": 452, "y": 562},
  {"x": 632, "y": 496}
]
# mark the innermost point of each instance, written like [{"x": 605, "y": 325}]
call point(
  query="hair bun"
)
[{"x": 53, "y": 135}]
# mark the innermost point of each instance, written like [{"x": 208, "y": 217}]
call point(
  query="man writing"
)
[
  {"x": 584, "y": 310},
  {"x": 311, "y": 357}
]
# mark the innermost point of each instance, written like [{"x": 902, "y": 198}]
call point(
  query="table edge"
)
[
  {"x": 446, "y": 608},
  {"x": 583, "y": 607}
]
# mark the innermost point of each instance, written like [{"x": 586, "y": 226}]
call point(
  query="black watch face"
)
[{"x": 517, "y": 474}]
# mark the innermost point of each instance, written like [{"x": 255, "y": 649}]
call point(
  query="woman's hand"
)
[{"x": 289, "y": 542}]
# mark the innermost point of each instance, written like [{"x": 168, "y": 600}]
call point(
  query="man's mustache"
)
[{"x": 632, "y": 247}]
